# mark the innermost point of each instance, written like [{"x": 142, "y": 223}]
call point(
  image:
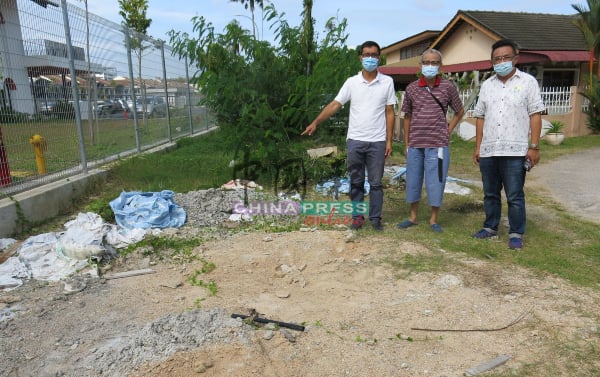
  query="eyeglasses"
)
[
  {"x": 370, "y": 55},
  {"x": 431, "y": 62},
  {"x": 502, "y": 59}
]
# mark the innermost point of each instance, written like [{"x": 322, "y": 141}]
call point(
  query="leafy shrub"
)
[
  {"x": 555, "y": 127},
  {"x": 8, "y": 115},
  {"x": 102, "y": 208},
  {"x": 323, "y": 168},
  {"x": 592, "y": 94}
]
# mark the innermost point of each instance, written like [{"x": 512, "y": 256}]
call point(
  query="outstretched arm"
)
[{"x": 329, "y": 110}]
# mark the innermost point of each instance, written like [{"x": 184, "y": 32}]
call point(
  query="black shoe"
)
[
  {"x": 357, "y": 223},
  {"x": 377, "y": 226}
]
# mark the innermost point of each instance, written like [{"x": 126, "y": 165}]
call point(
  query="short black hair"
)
[
  {"x": 369, "y": 44},
  {"x": 503, "y": 43}
]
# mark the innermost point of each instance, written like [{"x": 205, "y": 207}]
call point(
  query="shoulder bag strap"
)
[{"x": 436, "y": 100}]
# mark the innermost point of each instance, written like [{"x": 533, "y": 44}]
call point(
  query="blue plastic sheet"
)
[
  {"x": 147, "y": 210},
  {"x": 338, "y": 186}
]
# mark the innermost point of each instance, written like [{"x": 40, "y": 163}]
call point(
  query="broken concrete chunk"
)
[{"x": 323, "y": 151}]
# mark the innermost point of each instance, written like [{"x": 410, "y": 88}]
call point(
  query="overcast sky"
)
[{"x": 384, "y": 21}]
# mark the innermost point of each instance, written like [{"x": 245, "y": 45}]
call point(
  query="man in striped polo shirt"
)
[{"x": 427, "y": 136}]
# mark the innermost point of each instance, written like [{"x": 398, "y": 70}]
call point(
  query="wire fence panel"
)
[{"x": 128, "y": 93}]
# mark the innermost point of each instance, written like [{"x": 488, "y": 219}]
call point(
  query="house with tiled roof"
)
[{"x": 552, "y": 49}]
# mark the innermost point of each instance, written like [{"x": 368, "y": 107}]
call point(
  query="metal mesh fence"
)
[{"x": 128, "y": 93}]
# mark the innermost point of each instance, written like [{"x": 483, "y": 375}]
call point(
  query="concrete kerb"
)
[{"x": 41, "y": 203}]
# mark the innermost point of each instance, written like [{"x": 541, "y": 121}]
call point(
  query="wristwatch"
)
[{"x": 534, "y": 146}]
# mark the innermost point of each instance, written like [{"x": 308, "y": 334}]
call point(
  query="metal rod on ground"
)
[
  {"x": 292, "y": 326},
  {"x": 491, "y": 364}
]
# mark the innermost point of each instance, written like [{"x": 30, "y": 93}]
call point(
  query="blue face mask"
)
[
  {"x": 370, "y": 64},
  {"x": 430, "y": 71},
  {"x": 503, "y": 69}
]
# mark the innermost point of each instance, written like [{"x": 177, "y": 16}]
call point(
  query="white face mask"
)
[
  {"x": 370, "y": 64},
  {"x": 503, "y": 69},
  {"x": 430, "y": 71}
]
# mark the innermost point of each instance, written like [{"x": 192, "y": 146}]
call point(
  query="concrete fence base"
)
[{"x": 20, "y": 212}]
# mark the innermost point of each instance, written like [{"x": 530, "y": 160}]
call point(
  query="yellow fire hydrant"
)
[{"x": 39, "y": 147}]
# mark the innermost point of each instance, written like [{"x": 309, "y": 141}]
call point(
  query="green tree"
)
[
  {"x": 251, "y": 5},
  {"x": 592, "y": 93},
  {"x": 261, "y": 94},
  {"x": 588, "y": 21},
  {"x": 308, "y": 34},
  {"x": 134, "y": 13}
]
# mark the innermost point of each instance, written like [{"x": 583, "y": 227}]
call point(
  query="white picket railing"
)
[{"x": 558, "y": 100}]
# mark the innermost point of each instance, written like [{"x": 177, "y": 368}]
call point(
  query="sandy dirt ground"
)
[{"x": 361, "y": 315}]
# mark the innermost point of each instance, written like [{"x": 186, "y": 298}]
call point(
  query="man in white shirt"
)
[{"x": 369, "y": 138}]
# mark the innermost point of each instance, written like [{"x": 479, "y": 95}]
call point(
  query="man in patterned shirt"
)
[
  {"x": 508, "y": 126},
  {"x": 427, "y": 136}
]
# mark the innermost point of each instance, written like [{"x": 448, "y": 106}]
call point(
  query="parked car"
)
[
  {"x": 46, "y": 106},
  {"x": 124, "y": 104},
  {"x": 110, "y": 106},
  {"x": 155, "y": 105}
]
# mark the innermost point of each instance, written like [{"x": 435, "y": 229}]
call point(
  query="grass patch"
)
[
  {"x": 556, "y": 242},
  {"x": 159, "y": 247}
]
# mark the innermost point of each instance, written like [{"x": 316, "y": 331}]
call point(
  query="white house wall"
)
[
  {"x": 466, "y": 44},
  {"x": 12, "y": 58}
]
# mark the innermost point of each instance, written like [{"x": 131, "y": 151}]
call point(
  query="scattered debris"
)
[
  {"x": 323, "y": 151},
  {"x": 241, "y": 184},
  {"x": 126, "y": 274},
  {"x": 491, "y": 364},
  {"x": 258, "y": 319},
  {"x": 288, "y": 335},
  {"x": 203, "y": 366},
  {"x": 475, "y": 329}
]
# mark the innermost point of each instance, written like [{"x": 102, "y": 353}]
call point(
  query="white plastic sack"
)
[
  {"x": 83, "y": 237},
  {"x": 6, "y": 242},
  {"x": 121, "y": 237},
  {"x": 454, "y": 188},
  {"x": 12, "y": 271},
  {"x": 39, "y": 255},
  {"x": 147, "y": 210}
]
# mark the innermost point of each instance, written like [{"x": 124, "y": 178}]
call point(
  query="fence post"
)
[
  {"x": 189, "y": 95},
  {"x": 5, "y": 178},
  {"x": 74, "y": 90},
  {"x": 578, "y": 117},
  {"x": 164, "y": 67},
  {"x": 136, "y": 124}
]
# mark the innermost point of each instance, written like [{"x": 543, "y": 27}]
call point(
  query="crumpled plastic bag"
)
[
  {"x": 147, "y": 210},
  {"x": 39, "y": 255},
  {"x": 120, "y": 237},
  {"x": 83, "y": 237}
]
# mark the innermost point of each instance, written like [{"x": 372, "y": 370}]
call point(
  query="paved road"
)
[{"x": 574, "y": 180}]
